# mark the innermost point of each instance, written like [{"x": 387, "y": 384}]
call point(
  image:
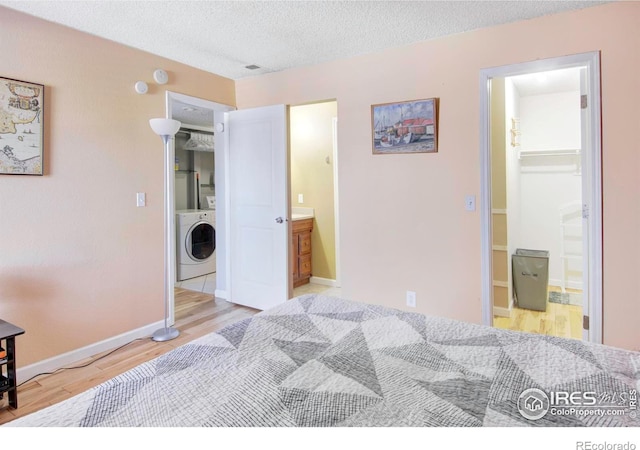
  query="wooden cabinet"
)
[{"x": 301, "y": 251}]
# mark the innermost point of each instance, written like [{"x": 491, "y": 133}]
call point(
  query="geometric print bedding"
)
[{"x": 318, "y": 361}]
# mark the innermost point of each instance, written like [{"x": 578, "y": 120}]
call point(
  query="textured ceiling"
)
[
  {"x": 190, "y": 115},
  {"x": 223, "y": 37}
]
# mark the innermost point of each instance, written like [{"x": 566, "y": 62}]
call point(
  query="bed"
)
[{"x": 323, "y": 361}]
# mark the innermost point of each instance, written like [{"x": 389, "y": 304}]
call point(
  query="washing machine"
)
[{"x": 196, "y": 243}]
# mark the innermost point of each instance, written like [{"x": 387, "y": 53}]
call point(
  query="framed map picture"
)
[
  {"x": 21, "y": 127},
  {"x": 405, "y": 127}
]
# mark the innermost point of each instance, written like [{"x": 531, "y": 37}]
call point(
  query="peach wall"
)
[
  {"x": 403, "y": 222},
  {"x": 79, "y": 262}
]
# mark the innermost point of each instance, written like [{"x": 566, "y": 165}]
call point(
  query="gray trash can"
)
[{"x": 530, "y": 278}]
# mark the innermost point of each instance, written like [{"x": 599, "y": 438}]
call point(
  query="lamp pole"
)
[{"x": 166, "y": 129}]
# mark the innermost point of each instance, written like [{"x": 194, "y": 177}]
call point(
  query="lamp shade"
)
[{"x": 164, "y": 127}]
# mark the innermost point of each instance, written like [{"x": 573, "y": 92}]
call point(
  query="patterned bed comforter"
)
[{"x": 324, "y": 361}]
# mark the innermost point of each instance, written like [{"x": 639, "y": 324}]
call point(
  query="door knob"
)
[{"x": 279, "y": 219}]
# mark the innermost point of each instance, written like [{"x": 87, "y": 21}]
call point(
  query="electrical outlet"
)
[
  {"x": 300, "y": 198},
  {"x": 411, "y": 299}
]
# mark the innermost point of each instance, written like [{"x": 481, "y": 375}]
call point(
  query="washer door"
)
[{"x": 200, "y": 241}]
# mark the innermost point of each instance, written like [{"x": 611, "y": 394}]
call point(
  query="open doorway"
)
[
  {"x": 314, "y": 199},
  {"x": 196, "y": 229},
  {"x": 537, "y": 203},
  {"x": 542, "y": 260}
]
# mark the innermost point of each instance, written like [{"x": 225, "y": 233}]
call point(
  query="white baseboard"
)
[
  {"x": 501, "y": 312},
  {"x": 56, "y": 362},
  {"x": 220, "y": 294},
  {"x": 323, "y": 281}
]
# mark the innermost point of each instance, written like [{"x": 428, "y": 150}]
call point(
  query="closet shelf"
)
[
  {"x": 540, "y": 153},
  {"x": 547, "y": 158}
]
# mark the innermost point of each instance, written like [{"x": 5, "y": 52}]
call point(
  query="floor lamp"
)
[{"x": 166, "y": 129}]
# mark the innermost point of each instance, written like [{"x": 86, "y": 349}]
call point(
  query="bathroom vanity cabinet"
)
[{"x": 301, "y": 251}]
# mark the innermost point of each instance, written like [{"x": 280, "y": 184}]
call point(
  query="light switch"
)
[
  {"x": 141, "y": 199},
  {"x": 300, "y": 198},
  {"x": 470, "y": 202}
]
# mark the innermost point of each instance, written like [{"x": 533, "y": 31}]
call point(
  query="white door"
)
[{"x": 258, "y": 206}]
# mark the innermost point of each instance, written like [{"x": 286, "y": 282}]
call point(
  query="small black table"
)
[{"x": 8, "y": 333}]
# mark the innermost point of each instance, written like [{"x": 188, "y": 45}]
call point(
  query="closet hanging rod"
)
[{"x": 193, "y": 130}]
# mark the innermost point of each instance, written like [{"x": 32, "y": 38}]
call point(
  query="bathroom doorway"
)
[{"x": 314, "y": 193}]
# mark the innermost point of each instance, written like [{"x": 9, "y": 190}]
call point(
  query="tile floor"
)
[
  {"x": 313, "y": 288},
  {"x": 207, "y": 284}
]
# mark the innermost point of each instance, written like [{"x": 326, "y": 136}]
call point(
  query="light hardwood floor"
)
[
  {"x": 196, "y": 314},
  {"x": 558, "y": 320}
]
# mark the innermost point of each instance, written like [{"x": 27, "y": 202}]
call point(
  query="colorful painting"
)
[
  {"x": 405, "y": 127},
  {"x": 21, "y": 127}
]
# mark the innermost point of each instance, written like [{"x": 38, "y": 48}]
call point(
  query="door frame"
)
[
  {"x": 336, "y": 201},
  {"x": 590, "y": 60},
  {"x": 171, "y": 268}
]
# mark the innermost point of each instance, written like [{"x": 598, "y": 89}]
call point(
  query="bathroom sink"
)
[
  {"x": 299, "y": 213},
  {"x": 299, "y": 216}
]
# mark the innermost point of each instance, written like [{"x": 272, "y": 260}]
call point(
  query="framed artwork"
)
[
  {"x": 405, "y": 127},
  {"x": 21, "y": 127}
]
